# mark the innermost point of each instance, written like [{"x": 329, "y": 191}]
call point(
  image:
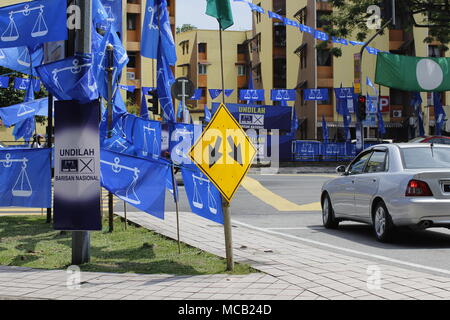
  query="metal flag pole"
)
[
  {"x": 81, "y": 239},
  {"x": 125, "y": 214},
  {"x": 110, "y": 56},
  {"x": 225, "y": 204},
  {"x": 175, "y": 197},
  {"x": 49, "y": 143}
]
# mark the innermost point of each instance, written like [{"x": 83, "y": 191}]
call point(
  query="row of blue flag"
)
[{"x": 318, "y": 34}]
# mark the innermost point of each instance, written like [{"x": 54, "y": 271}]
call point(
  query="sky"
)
[{"x": 193, "y": 12}]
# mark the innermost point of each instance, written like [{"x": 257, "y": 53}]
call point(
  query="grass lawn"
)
[{"x": 30, "y": 242}]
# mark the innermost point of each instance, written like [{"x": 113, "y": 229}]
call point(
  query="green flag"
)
[
  {"x": 221, "y": 10},
  {"x": 413, "y": 73}
]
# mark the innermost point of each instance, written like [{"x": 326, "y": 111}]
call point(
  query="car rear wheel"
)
[
  {"x": 328, "y": 218},
  {"x": 382, "y": 223}
]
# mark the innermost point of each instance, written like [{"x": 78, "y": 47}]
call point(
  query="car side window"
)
[
  {"x": 358, "y": 165},
  {"x": 377, "y": 162}
]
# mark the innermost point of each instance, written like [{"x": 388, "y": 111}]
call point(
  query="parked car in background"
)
[
  {"x": 431, "y": 139},
  {"x": 391, "y": 185}
]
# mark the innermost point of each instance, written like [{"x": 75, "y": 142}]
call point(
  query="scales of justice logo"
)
[{"x": 22, "y": 186}]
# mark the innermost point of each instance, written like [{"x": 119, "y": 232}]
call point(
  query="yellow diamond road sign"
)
[{"x": 223, "y": 152}]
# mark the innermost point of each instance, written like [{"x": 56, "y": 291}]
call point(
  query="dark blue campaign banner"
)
[
  {"x": 25, "y": 178},
  {"x": 19, "y": 112},
  {"x": 33, "y": 23},
  {"x": 315, "y": 94},
  {"x": 77, "y": 166},
  {"x": 204, "y": 198},
  {"x": 283, "y": 95},
  {"x": 260, "y": 117},
  {"x": 251, "y": 94},
  {"x": 139, "y": 182}
]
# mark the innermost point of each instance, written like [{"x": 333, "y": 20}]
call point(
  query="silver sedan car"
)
[{"x": 391, "y": 185}]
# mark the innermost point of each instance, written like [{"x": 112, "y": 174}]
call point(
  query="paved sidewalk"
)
[{"x": 290, "y": 270}]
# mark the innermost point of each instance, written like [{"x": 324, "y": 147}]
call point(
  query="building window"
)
[
  {"x": 185, "y": 46},
  {"x": 202, "y": 69},
  {"x": 301, "y": 15},
  {"x": 328, "y": 101},
  {"x": 202, "y": 48},
  {"x": 242, "y": 70},
  {"x": 279, "y": 35},
  {"x": 258, "y": 14},
  {"x": 131, "y": 21},
  {"x": 241, "y": 48},
  {"x": 321, "y": 18},
  {"x": 434, "y": 51},
  {"x": 258, "y": 42},
  {"x": 301, "y": 53},
  {"x": 324, "y": 58},
  {"x": 258, "y": 74},
  {"x": 132, "y": 59}
]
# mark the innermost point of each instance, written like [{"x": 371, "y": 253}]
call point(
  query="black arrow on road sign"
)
[
  {"x": 214, "y": 154},
  {"x": 236, "y": 152}
]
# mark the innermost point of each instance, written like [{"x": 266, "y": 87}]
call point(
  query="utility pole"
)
[{"x": 81, "y": 239}]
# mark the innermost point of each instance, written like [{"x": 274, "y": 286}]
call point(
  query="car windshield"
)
[{"x": 422, "y": 158}]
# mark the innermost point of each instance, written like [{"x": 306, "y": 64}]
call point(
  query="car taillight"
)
[{"x": 417, "y": 188}]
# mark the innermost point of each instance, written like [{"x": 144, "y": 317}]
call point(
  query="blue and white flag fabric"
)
[
  {"x": 289, "y": 22},
  {"x": 139, "y": 182},
  {"x": 146, "y": 90},
  {"x": 340, "y": 41},
  {"x": 100, "y": 54},
  {"x": 320, "y": 35},
  {"x": 294, "y": 123},
  {"x": 416, "y": 102},
  {"x": 439, "y": 113},
  {"x": 344, "y": 100},
  {"x": 4, "y": 82},
  {"x": 19, "y": 112},
  {"x": 347, "y": 122},
  {"x": 273, "y": 15},
  {"x": 147, "y": 138},
  {"x": 24, "y": 129},
  {"x": 324, "y": 130},
  {"x": 156, "y": 38},
  {"x": 207, "y": 114},
  {"x": 26, "y": 178},
  {"x": 370, "y": 84},
  {"x": 197, "y": 94},
  {"x": 256, "y": 8},
  {"x": 127, "y": 88},
  {"x": 144, "y": 108},
  {"x": 165, "y": 80},
  {"x": 283, "y": 95},
  {"x": 228, "y": 92},
  {"x": 70, "y": 79},
  {"x": 33, "y": 23},
  {"x": 214, "y": 93},
  {"x": 113, "y": 9},
  {"x": 150, "y": 31},
  {"x": 22, "y": 84},
  {"x": 204, "y": 198},
  {"x": 21, "y": 59},
  {"x": 251, "y": 94},
  {"x": 119, "y": 144},
  {"x": 315, "y": 94},
  {"x": 180, "y": 110},
  {"x": 372, "y": 104},
  {"x": 381, "y": 128}
]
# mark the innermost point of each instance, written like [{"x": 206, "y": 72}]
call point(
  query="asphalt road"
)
[{"x": 429, "y": 249}]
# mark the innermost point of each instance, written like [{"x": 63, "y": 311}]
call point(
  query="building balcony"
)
[
  {"x": 133, "y": 46},
  {"x": 324, "y": 6}
]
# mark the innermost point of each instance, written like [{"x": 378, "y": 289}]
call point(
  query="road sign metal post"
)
[
  {"x": 182, "y": 89},
  {"x": 228, "y": 235},
  {"x": 175, "y": 196},
  {"x": 81, "y": 239}
]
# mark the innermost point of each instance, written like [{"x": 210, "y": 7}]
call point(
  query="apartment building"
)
[
  {"x": 198, "y": 53},
  {"x": 284, "y": 57}
]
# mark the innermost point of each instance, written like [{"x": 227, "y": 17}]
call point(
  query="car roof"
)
[{"x": 420, "y": 145}]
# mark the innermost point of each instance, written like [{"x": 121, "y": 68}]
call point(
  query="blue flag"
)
[
  {"x": 20, "y": 59},
  {"x": 439, "y": 113},
  {"x": 70, "y": 79},
  {"x": 22, "y": 84},
  {"x": 150, "y": 31},
  {"x": 25, "y": 128},
  {"x": 324, "y": 130},
  {"x": 19, "y": 112},
  {"x": 165, "y": 80},
  {"x": 381, "y": 128},
  {"x": 139, "y": 182},
  {"x": 204, "y": 198},
  {"x": 416, "y": 102},
  {"x": 26, "y": 178},
  {"x": 347, "y": 122},
  {"x": 315, "y": 94},
  {"x": 207, "y": 114},
  {"x": 283, "y": 95},
  {"x": 33, "y": 23},
  {"x": 113, "y": 10},
  {"x": 4, "y": 82},
  {"x": 147, "y": 138},
  {"x": 214, "y": 93},
  {"x": 197, "y": 94},
  {"x": 228, "y": 92},
  {"x": 144, "y": 108},
  {"x": 251, "y": 94}
]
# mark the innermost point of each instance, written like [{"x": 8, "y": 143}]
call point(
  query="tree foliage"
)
[
  {"x": 186, "y": 27},
  {"x": 354, "y": 17}
]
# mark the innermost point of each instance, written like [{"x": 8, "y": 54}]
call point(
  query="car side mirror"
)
[{"x": 341, "y": 169}]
